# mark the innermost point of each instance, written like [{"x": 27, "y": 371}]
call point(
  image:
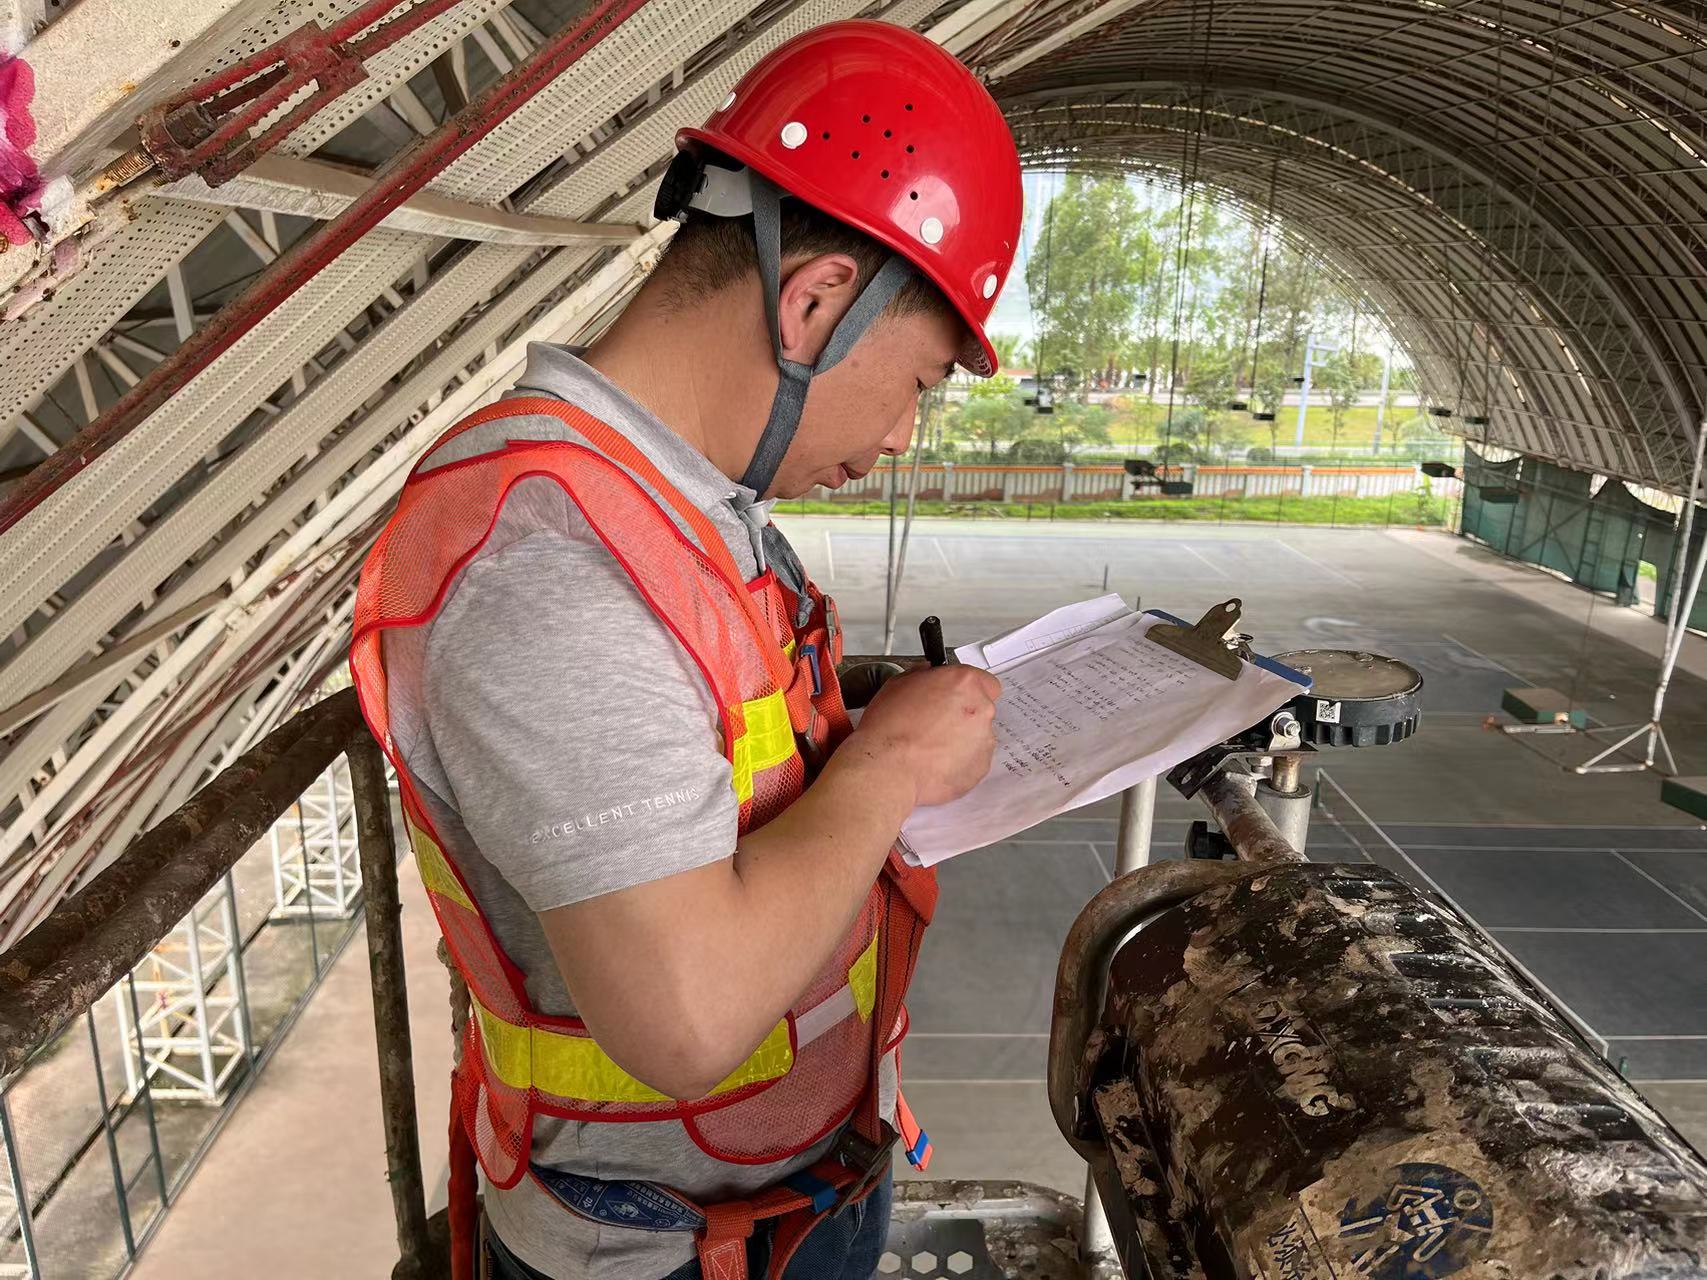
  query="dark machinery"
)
[
  {"x": 1150, "y": 480},
  {"x": 1281, "y": 1070}
]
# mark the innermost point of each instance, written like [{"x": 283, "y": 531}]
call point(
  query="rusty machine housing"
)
[{"x": 1283, "y": 1070}]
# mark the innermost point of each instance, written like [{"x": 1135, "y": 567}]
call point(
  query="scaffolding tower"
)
[
  {"x": 184, "y": 1026},
  {"x": 316, "y": 873}
]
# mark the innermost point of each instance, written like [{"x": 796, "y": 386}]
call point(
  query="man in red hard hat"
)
[{"x": 662, "y": 856}]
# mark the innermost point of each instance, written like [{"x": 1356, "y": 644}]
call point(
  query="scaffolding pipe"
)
[
  {"x": 401, "y": 177},
  {"x": 384, "y": 911},
  {"x": 1682, "y": 600},
  {"x": 92, "y": 939}
]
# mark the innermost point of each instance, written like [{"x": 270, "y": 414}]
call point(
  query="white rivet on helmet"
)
[
  {"x": 930, "y": 230},
  {"x": 793, "y": 134},
  {"x": 728, "y": 102},
  {"x": 990, "y": 285}
]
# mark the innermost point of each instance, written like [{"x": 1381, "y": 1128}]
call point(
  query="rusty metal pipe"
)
[
  {"x": 1106, "y": 922},
  {"x": 60, "y": 968},
  {"x": 401, "y": 177},
  {"x": 383, "y": 911},
  {"x": 1244, "y": 822}
]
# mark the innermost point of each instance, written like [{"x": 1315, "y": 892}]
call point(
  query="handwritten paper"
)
[{"x": 1089, "y": 707}]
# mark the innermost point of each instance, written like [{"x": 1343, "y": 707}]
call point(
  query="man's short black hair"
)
[{"x": 708, "y": 254}]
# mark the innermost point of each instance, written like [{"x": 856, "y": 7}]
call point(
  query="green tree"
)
[
  {"x": 1081, "y": 426},
  {"x": 1085, "y": 275},
  {"x": 1342, "y": 377},
  {"x": 992, "y": 416},
  {"x": 1291, "y": 312},
  {"x": 1011, "y": 349},
  {"x": 1214, "y": 378}
]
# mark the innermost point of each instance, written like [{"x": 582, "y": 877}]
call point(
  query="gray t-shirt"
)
[{"x": 566, "y": 747}]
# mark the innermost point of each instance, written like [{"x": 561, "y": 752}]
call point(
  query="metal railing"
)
[
  {"x": 969, "y": 482},
  {"x": 89, "y": 945}
]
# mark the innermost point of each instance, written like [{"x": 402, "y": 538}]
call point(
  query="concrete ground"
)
[{"x": 1594, "y": 886}]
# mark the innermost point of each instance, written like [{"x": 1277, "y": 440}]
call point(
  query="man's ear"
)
[{"x": 815, "y": 297}]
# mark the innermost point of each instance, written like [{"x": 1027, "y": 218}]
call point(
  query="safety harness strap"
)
[
  {"x": 796, "y": 378},
  {"x": 721, "y": 1230}
]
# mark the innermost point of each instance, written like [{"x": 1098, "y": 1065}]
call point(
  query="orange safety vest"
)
[{"x": 781, "y": 711}]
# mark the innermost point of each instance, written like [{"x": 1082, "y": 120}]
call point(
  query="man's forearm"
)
[
  {"x": 739, "y": 940},
  {"x": 803, "y": 877}
]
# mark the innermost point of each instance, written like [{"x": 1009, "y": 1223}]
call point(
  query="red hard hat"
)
[{"x": 887, "y": 131}]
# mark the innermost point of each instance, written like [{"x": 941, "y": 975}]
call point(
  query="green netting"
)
[
  {"x": 1662, "y": 551},
  {"x": 1490, "y": 495},
  {"x": 1551, "y": 516}
]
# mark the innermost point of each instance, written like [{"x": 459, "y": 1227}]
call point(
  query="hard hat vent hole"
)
[
  {"x": 912, "y": 195},
  {"x": 888, "y": 134},
  {"x": 826, "y": 135},
  {"x": 909, "y": 106},
  {"x": 885, "y": 173},
  {"x": 909, "y": 148},
  {"x": 856, "y": 155},
  {"x": 865, "y": 119}
]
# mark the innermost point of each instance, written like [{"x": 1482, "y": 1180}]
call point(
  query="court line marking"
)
[
  {"x": 1570, "y": 1014},
  {"x": 1311, "y": 560},
  {"x": 1554, "y": 826},
  {"x": 1474, "y": 652},
  {"x": 1663, "y": 888},
  {"x": 1667, "y": 1037},
  {"x": 1210, "y": 564},
  {"x": 977, "y": 1035},
  {"x": 829, "y": 556},
  {"x": 943, "y": 556},
  {"x": 1541, "y": 928},
  {"x": 1545, "y": 848}
]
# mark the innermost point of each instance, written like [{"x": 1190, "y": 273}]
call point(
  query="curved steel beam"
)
[{"x": 1656, "y": 347}]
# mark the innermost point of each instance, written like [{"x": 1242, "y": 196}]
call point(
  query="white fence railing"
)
[{"x": 969, "y": 482}]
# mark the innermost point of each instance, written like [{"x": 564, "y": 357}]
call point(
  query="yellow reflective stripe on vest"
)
[
  {"x": 574, "y": 1067},
  {"x": 862, "y": 980},
  {"x": 768, "y": 741},
  {"x": 435, "y": 871}
]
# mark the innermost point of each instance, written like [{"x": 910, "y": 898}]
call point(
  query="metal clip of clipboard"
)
[{"x": 1206, "y": 643}]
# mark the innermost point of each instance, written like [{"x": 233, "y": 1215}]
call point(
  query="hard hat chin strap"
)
[{"x": 796, "y": 379}]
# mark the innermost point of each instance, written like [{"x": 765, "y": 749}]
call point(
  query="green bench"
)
[
  {"x": 1688, "y": 794},
  {"x": 1543, "y": 706}
]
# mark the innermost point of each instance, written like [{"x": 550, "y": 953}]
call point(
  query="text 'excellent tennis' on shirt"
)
[{"x": 617, "y": 813}]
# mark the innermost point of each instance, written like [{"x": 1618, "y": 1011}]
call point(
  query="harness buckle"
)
[{"x": 869, "y": 1161}]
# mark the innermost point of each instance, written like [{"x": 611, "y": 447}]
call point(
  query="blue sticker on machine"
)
[
  {"x": 1432, "y": 1221},
  {"x": 642, "y": 1205}
]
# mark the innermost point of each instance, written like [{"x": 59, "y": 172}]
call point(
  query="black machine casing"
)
[{"x": 1318, "y": 1073}]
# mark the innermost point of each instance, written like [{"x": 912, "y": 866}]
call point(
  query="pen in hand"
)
[{"x": 930, "y": 635}]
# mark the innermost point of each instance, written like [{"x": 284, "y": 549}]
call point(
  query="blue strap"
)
[
  {"x": 916, "y": 1152},
  {"x": 821, "y": 1193},
  {"x": 644, "y": 1206},
  {"x": 810, "y": 651}
]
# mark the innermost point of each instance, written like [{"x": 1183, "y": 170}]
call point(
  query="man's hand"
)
[{"x": 934, "y": 726}]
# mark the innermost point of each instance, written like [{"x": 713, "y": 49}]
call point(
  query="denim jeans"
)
[{"x": 841, "y": 1248}]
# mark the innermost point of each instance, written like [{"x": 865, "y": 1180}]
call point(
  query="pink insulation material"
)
[{"x": 20, "y": 184}]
